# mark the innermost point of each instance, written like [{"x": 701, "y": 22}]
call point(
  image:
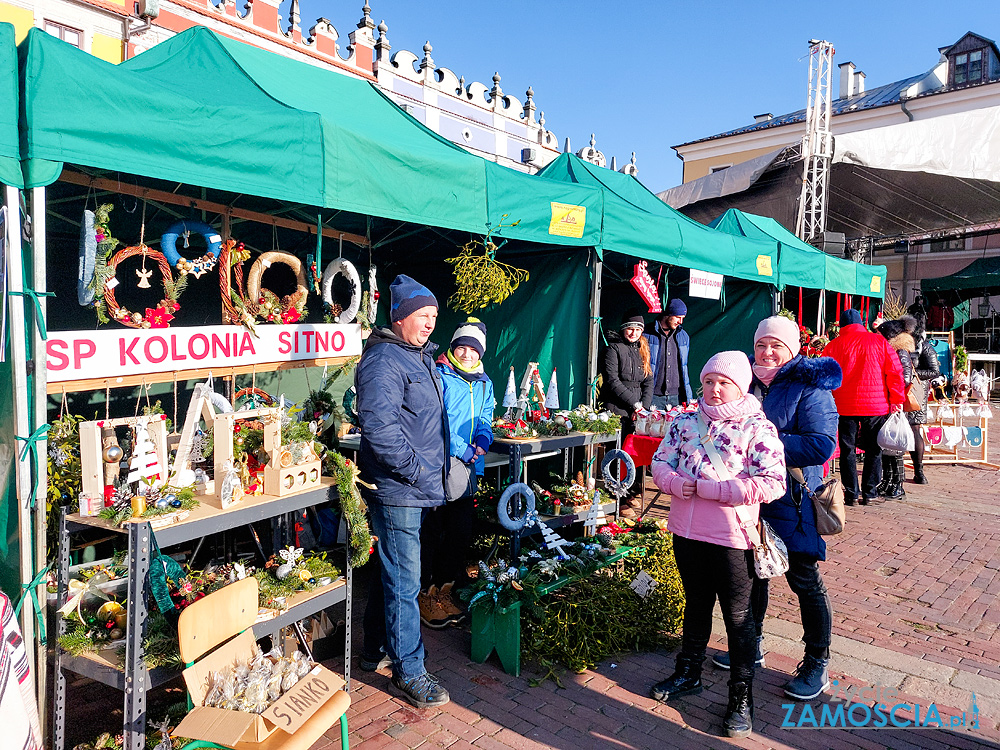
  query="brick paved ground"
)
[{"x": 914, "y": 586}]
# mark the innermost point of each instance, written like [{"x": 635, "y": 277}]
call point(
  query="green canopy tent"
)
[
  {"x": 801, "y": 264},
  {"x": 206, "y": 110},
  {"x": 979, "y": 278},
  {"x": 637, "y": 223},
  {"x": 639, "y": 226},
  {"x": 10, "y": 167}
]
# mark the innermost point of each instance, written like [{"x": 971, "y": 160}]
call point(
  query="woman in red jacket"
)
[{"x": 871, "y": 389}]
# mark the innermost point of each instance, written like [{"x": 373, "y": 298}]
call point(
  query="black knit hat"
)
[{"x": 632, "y": 321}]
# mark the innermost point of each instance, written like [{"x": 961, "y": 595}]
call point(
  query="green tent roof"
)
[
  {"x": 638, "y": 223},
  {"x": 206, "y": 110},
  {"x": 801, "y": 264},
  {"x": 10, "y": 168},
  {"x": 980, "y": 276}
]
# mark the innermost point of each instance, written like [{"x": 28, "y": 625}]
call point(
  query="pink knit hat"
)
[
  {"x": 734, "y": 365},
  {"x": 781, "y": 328}
]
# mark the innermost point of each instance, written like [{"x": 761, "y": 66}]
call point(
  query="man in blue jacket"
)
[
  {"x": 669, "y": 346},
  {"x": 404, "y": 450}
]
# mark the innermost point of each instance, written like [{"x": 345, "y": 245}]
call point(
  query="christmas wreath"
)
[{"x": 155, "y": 317}]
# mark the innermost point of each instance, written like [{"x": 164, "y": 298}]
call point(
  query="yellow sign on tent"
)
[
  {"x": 764, "y": 265},
  {"x": 568, "y": 220},
  {"x": 876, "y": 285}
]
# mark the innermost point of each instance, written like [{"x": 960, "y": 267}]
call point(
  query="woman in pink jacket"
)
[{"x": 711, "y": 547}]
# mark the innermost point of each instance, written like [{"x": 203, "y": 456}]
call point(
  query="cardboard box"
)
[{"x": 228, "y": 728}]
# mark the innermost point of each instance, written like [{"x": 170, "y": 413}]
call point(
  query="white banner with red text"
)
[{"x": 84, "y": 355}]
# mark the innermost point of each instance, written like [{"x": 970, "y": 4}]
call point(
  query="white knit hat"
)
[{"x": 780, "y": 328}]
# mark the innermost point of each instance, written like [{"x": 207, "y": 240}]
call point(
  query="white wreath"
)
[{"x": 347, "y": 269}]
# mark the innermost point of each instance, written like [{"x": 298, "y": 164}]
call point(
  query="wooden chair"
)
[{"x": 224, "y": 614}]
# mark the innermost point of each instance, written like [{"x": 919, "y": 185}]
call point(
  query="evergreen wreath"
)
[
  {"x": 155, "y": 317},
  {"x": 352, "y": 506}
]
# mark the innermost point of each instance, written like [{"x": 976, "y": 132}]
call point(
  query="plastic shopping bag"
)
[{"x": 896, "y": 437}]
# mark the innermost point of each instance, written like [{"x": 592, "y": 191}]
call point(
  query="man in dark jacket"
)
[
  {"x": 404, "y": 450},
  {"x": 669, "y": 346}
]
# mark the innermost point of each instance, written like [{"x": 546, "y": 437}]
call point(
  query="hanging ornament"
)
[
  {"x": 113, "y": 454},
  {"x": 373, "y": 296},
  {"x": 232, "y": 488}
]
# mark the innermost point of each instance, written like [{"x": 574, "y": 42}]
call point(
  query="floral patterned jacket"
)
[{"x": 750, "y": 450}]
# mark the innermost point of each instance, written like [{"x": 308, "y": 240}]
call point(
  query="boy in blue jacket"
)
[{"x": 447, "y": 530}]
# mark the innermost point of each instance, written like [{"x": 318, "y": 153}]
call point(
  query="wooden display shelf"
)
[
  {"x": 210, "y": 517},
  {"x": 104, "y": 665},
  {"x": 125, "y": 381}
]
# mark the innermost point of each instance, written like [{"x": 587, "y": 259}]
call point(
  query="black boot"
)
[
  {"x": 895, "y": 489},
  {"x": 918, "y": 469},
  {"x": 686, "y": 679},
  {"x": 884, "y": 485},
  {"x": 739, "y": 713}
]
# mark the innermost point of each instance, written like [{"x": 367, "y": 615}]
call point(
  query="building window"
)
[
  {"x": 947, "y": 246},
  {"x": 969, "y": 67},
  {"x": 719, "y": 168},
  {"x": 64, "y": 32}
]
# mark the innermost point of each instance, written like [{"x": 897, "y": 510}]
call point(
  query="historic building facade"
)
[{"x": 481, "y": 118}]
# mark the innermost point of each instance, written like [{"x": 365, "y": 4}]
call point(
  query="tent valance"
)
[
  {"x": 801, "y": 264},
  {"x": 10, "y": 168},
  {"x": 637, "y": 223}
]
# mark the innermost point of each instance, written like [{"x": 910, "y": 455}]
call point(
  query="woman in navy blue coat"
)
[{"x": 796, "y": 395}]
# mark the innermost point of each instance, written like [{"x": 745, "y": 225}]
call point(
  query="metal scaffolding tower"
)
[{"x": 817, "y": 144}]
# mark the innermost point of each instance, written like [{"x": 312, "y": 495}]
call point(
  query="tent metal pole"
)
[
  {"x": 595, "y": 328},
  {"x": 38, "y": 272},
  {"x": 19, "y": 375}
]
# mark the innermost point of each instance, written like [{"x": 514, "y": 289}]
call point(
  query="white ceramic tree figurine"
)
[
  {"x": 144, "y": 466},
  {"x": 510, "y": 395},
  {"x": 552, "y": 394}
]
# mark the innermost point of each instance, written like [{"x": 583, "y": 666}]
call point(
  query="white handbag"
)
[{"x": 770, "y": 555}]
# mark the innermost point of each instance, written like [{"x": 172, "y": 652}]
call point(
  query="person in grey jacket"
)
[{"x": 404, "y": 450}]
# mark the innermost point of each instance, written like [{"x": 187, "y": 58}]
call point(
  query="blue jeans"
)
[
  {"x": 398, "y": 531},
  {"x": 665, "y": 402}
]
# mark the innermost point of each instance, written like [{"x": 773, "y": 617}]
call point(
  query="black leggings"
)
[{"x": 709, "y": 571}]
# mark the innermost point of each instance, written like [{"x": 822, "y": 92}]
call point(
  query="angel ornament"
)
[{"x": 291, "y": 557}]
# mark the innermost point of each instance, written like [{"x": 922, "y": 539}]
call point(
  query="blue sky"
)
[{"x": 645, "y": 76}]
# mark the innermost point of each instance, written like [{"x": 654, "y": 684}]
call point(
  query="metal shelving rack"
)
[
  {"x": 134, "y": 679},
  {"x": 519, "y": 451}
]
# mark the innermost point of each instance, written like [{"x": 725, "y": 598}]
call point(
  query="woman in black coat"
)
[
  {"x": 927, "y": 368},
  {"x": 628, "y": 374}
]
